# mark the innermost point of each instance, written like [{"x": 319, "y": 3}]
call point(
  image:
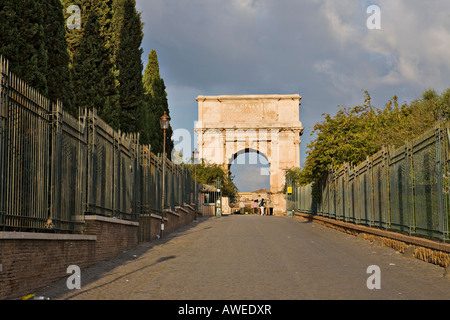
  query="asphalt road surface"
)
[{"x": 251, "y": 257}]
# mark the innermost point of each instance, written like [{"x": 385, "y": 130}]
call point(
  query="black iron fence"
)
[
  {"x": 404, "y": 189},
  {"x": 54, "y": 168}
]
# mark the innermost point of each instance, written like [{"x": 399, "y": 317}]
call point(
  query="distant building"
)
[{"x": 248, "y": 197}]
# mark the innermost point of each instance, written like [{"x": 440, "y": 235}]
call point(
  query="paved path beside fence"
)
[{"x": 252, "y": 258}]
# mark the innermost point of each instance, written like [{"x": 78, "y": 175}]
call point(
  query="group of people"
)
[{"x": 261, "y": 205}]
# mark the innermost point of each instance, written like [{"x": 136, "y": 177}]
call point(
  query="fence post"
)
[
  {"x": 439, "y": 173},
  {"x": 4, "y": 71},
  {"x": 409, "y": 183},
  {"x": 388, "y": 172},
  {"x": 137, "y": 169},
  {"x": 370, "y": 190},
  {"x": 82, "y": 166},
  {"x": 446, "y": 187},
  {"x": 357, "y": 195},
  {"x": 55, "y": 167},
  {"x": 386, "y": 187},
  {"x": 346, "y": 192},
  {"x": 117, "y": 169},
  {"x": 91, "y": 172}
]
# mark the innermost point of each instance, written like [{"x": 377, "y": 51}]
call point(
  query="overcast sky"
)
[{"x": 320, "y": 49}]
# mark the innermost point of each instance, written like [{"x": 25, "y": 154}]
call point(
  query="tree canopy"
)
[{"x": 209, "y": 173}]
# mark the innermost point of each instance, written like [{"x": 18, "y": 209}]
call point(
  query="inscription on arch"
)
[{"x": 249, "y": 112}]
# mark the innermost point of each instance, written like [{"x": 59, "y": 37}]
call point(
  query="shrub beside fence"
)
[
  {"x": 403, "y": 189},
  {"x": 55, "y": 169}
]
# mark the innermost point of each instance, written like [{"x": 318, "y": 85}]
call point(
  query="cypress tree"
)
[
  {"x": 156, "y": 105},
  {"x": 57, "y": 74},
  {"x": 128, "y": 37},
  {"x": 149, "y": 127},
  {"x": 22, "y": 41},
  {"x": 91, "y": 59},
  {"x": 151, "y": 73},
  {"x": 93, "y": 78}
]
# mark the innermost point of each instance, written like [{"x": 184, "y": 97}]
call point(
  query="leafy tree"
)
[
  {"x": 397, "y": 124},
  {"x": 430, "y": 94},
  {"x": 355, "y": 133},
  {"x": 443, "y": 102},
  {"x": 349, "y": 136},
  {"x": 294, "y": 175},
  {"x": 209, "y": 173}
]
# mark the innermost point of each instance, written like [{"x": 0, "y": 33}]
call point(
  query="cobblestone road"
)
[{"x": 255, "y": 257}]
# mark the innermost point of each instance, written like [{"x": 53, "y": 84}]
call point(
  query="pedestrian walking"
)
[
  {"x": 261, "y": 206},
  {"x": 255, "y": 207},
  {"x": 241, "y": 206}
]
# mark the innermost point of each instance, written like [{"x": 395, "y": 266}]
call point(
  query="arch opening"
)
[{"x": 250, "y": 169}]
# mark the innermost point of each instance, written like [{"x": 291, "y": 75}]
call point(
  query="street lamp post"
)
[
  {"x": 194, "y": 160},
  {"x": 164, "y": 122}
]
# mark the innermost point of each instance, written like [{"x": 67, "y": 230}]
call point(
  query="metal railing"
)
[
  {"x": 403, "y": 189},
  {"x": 54, "y": 168}
]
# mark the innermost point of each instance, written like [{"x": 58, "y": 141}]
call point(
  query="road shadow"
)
[
  {"x": 58, "y": 290},
  {"x": 79, "y": 292}
]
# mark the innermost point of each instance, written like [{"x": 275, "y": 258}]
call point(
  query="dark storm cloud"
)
[{"x": 320, "y": 49}]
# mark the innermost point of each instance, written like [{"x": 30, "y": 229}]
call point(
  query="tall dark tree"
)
[
  {"x": 57, "y": 73},
  {"x": 91, "y": 63},
  {"x": 22, "y": 41},
  {"x": 156, "y": 105},
  {"x": 93, "y": 79},
  {"x": 128, "y": 37}
]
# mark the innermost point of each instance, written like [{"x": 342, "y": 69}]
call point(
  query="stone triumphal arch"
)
[{"x": 267, "y": 124}]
